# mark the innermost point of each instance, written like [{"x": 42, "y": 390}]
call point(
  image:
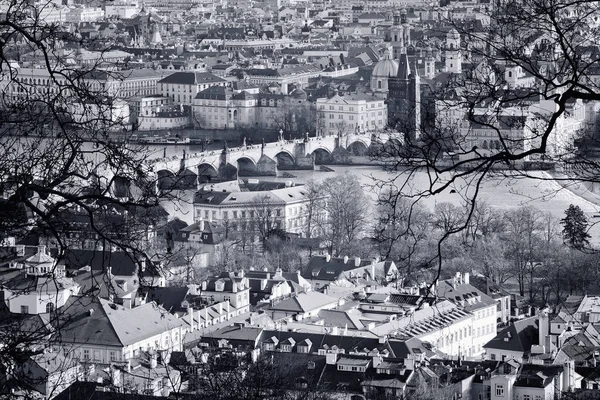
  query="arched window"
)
[
  {"x": 485, "y": 144},
  {"x": 378, "y": 84},
  {"x": 396, "y": 38},
  {"x": 50, "y": 307}
]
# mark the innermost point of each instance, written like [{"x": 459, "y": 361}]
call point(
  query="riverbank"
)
[{"x": 579, "y": 189}]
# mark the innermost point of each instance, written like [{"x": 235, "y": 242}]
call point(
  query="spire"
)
[{"x": 403, "y": 67}]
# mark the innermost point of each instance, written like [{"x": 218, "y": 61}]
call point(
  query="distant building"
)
[
  {"x": 182, "y": 87},
  {"x": 404, "y": 99},
  {"x": 343, "y": 115}
]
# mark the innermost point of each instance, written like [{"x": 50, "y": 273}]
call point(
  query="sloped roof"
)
[
  {"x": 139, "y": 323},
  {"x": 518, "y": 336},
  {"x": 319, "y": 268},
  {"x": 304, "y": 302},
  {"x": 191, "y": 78}
]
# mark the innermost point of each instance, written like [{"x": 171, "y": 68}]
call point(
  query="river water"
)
[{"x": 500, "y": 192}]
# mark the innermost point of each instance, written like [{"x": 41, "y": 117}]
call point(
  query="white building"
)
[
  {"x": 123, "y": 9},
  {"x": 85, "y": 14},
  {"x": 182, "y": 87},
  {"x": 239, "y": 209},
  {"x": 40, "y": 286},
  {"x": 342, "y": 115}
]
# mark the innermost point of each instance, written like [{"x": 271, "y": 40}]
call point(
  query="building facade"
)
[{"x": 343, "y": 115}]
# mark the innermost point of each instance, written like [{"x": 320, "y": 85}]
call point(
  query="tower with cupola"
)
[{"x": 453, "y": 54}]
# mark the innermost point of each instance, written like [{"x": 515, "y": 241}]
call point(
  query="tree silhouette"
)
[{"x": 575, "y": 228}]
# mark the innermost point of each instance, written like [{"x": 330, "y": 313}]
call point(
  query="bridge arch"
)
[
  {"x": 358, "y": 148},
  {"x": 246, "y": 166},
  {"x": 285, "y": 160},
  {"x": 186, "y": 179},
  {"x": 322, "y": 155},
  {"x": 166, "y": 179},
  {"x": 207, "y": 173}
]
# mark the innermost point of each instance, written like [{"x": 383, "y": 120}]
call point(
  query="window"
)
[
  {"x": 86, "y": 354},
  {"x": 225, "y": 214},
  {"x": 526, "y": 397},
  {"x": 49, "y": 307},
  {"x": 113, "y": 356},
  {"x": 499, "y": 390},
  {"x": 493, "y": 357},
  {"x": 24, "y": 309}
]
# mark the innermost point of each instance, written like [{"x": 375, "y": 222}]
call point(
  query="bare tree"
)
[
  {"x": 346, "y": 207},
  {"x": 517, "y": 106}
]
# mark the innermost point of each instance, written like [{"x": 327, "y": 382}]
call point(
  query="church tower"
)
[
  {"x": 404, "y": 101},
  {"x": 397, "y": 35},
  {"x": 405, "y": 30},
  {"x": 453, "y": 53},
  {"x": 429, "y": 63}
]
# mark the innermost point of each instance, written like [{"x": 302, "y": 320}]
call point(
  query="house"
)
[
  {"x": 514, "y": 342},
  {"x": 50, "y": 372},
  {"x": 96, "y": 330},
  {"x": 269, "y": 285},
  {"x": 324, "y": 270},
  {"x": 228, "y": 286},
  {"x": 495, "y": 291},
  {"x": 302, "y": 306},
  {"x": 34, "y": 283},
  {"x": 484, "y": 308}
]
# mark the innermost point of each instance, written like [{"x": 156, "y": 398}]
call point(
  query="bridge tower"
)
[
  {"x": 227, "y": 172},
  {"x": 303, "y": 155}
]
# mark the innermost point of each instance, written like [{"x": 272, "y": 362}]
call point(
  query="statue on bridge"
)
[
  {"x": 244, "y": 143},
  {"x": 280, "y": 139}
]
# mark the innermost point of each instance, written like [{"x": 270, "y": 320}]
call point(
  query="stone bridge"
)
[{"x": 261, "y": 160}]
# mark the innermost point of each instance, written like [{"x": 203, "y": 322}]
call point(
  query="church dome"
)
[{"x": 386, "y": 67}]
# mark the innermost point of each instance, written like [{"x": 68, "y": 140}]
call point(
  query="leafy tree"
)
[{"x": 575, "y": 227}]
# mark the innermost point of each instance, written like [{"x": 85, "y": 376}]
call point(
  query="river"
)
[{"x": 539, "y": 190}]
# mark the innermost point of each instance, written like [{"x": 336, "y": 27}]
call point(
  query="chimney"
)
[
  {"x": 373, "y": 271},
  {"x": 191, "y": 315},
  {"x": 542, "y": 327},
  {"x": 331, "y": 358},
  {"x": 569, "y": 376},
  {"x": 357, "y": 262},
  {"x": 466, "y": 278},
  {"x": 227, "y": 305},
  {"x": 328, "y": 258},
  {"x": 345, "y": 259},
  {"x": 153, "y": 361},
  {"x": 199, "y": 319},
  {"x": 241, "y": 273},
  {"x": 220, "y": 308},
  {"x": 263, "y": 284},
  {"x": 278, "y": 272},
  {"x": 201, "y": 225}
]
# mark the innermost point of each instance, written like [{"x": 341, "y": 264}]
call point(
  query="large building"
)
[
  {"x": 182, "y": 87},
  {"x": 343, "y": 115},
  {"x": 221, "y": 107},
  {"x": 283, "y": 208}
]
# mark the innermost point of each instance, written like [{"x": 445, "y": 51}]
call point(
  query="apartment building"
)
[
  {"x": 243, "y": 210},
  {"x": 342, "y": 115},
  {"x": 182, "y": 87}
]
